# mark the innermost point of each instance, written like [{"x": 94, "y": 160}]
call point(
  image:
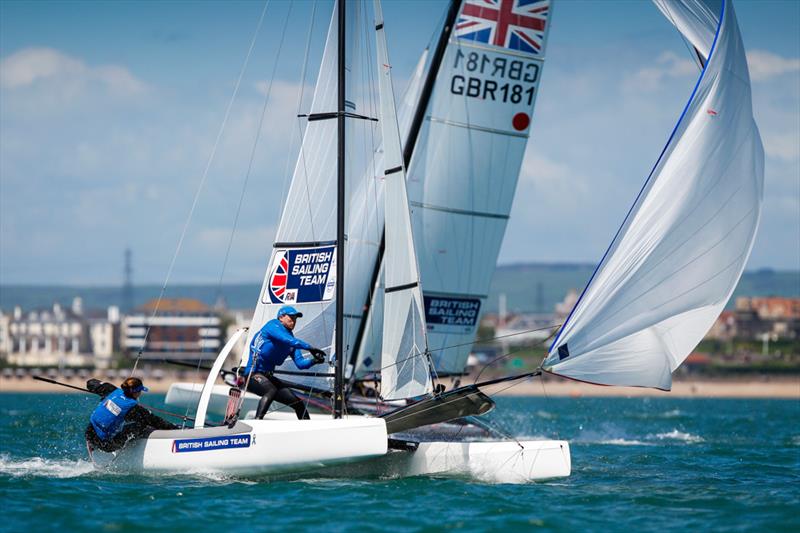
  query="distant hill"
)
[
  {"x": 530, "y": 287},
  {"x": 536, "y": 287}
]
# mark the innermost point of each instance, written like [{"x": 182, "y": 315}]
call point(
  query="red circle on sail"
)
[{"x": 521, "y": 121}]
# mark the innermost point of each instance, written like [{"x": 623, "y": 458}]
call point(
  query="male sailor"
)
[
  {"x": 269, "y": 348},
  {"x": 119, "y": 417}
]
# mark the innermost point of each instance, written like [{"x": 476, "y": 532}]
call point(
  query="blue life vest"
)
[{"x": 108, "y": 417}]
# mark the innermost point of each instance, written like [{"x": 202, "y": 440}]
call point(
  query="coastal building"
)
[
  {"x": 178, "y": 328},
  {"x": 59, "y": 337},
  {"x": 758, "y": 318}
]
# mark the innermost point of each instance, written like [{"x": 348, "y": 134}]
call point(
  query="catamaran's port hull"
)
[{"x": 256, "y": 447}]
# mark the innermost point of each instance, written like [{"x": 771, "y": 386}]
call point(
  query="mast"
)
[
  {"x": 430, "y": 80},
  {"x": 338, "y": 387},
  {"x": 408, "y": 150}
]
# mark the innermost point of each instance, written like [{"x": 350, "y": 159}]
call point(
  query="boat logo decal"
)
[
  {"x": 446, "y": 312},
  {"x": 513, "y": 24},
  {"x": 301, "y": 275},
  {"x": 210, "y": 443}
]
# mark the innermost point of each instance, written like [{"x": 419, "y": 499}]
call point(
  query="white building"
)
[
  {"x": 178, "y": 328},
  {"x": 59, "y": 337}
]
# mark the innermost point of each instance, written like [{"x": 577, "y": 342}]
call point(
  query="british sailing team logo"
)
[{"x": 301, "y": 275}]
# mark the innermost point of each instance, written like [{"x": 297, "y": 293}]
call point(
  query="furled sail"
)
[
  {"x": 463, "y": 174},
  {"x": 679, "y": 254},
  {"x": 405, "y": 371}
]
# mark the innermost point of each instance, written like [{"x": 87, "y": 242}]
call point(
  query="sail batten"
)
[{"x": 675, "y": 261}]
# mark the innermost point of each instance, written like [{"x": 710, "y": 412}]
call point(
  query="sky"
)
[{"x": 110, "y": 112}]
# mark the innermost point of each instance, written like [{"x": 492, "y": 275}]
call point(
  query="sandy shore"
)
[{"x": 788, "y": 388}]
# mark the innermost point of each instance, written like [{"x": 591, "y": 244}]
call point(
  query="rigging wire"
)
[
  {"x": 201, "y": 185},
  {"x": 552, "y": 326},
  {"x": 249, "y": 170}
]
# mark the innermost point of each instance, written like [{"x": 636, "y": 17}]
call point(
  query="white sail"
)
[
  {"x": 464, "y": 171},
  {"x": 369, "y": 355},
  {"x": 302, "y": 267},
  {"x": 680, "y": 252},
  {"x": 306, "y": 237},
  {"x": 404, "y": 365}
]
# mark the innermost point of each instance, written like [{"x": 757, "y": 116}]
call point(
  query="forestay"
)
[
  {"x": 465, "y": 166},
  {"x": 680, "y": 252},
  {"x": 404, "y": 361}
]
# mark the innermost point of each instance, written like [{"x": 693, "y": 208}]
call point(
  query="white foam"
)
[
  {"x": 39, "y": 467},
  {"x": 679, "y": 436},
  {"x": 624, "y": 442}
]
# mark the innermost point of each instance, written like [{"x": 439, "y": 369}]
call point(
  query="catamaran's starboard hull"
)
[
  {"x": 491, "y": 462},
  {"x": 257, "y": 447}
]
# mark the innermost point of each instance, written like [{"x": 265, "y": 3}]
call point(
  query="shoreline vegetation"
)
[{"x": 764, "y": 387}]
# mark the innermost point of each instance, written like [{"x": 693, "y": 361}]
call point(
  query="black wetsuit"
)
[
  {"x": 271, "y": 388},
  {"x": 139, "y": 422}
]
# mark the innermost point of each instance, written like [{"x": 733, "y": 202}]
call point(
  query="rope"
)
[
  {"x": 553, "y": 326},
  {"x": 201, "y": 185}
]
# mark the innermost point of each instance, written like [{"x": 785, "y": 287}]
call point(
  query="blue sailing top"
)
[{"x": 272, "y": 345}]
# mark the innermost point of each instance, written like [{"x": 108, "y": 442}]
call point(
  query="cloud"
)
[
  {"x": 668, "y": 65},
  {"x": 36, "y": 65},
  {"x": 782, "y": 146},
  {"x": 766, "y": 65}
]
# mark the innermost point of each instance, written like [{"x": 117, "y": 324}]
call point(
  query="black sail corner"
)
[
  {"x": 457, "y": 403},
  {"x": 563, "y": 352}
]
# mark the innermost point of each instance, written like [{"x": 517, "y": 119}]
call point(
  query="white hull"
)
[
  {"x": 253, "y": 448},
  {"x": 491, "y": 462},
  {"x": 494, "y": 461},
  {"x": 498, "y": 462}
]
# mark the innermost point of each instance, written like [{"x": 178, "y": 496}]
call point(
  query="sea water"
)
[{"x": 638, "y": 464}]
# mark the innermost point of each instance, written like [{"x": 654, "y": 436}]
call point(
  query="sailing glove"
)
[{"x": 319, "y": 355}]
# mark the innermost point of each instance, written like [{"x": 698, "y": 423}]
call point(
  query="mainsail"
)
[
  {"x": 464, "y": 170},
  {"x": 305, "y": 244},
  {"x": 302, "y": 267},
  {"x": 405, "y": 370},
  {"x": 679, "y": 254}
]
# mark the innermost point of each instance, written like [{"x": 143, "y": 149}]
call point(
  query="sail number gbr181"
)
[{"x": 512, "y": 80}]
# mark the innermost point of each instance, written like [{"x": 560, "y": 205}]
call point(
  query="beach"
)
[{"x": 765, "y": 387}]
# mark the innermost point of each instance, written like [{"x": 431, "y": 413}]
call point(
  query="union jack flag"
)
[
  {"x": 277, "y": 282},
  {"x": 513, "y": 24}
]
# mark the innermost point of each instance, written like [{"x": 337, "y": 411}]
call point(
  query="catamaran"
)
[{"x": 669, "y": 271}]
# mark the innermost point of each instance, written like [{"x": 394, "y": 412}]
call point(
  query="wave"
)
[
  {"x": 624, "y": 442},
  {"x": 39, "y": 467},
  {"x": 679, "y": 436}
]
